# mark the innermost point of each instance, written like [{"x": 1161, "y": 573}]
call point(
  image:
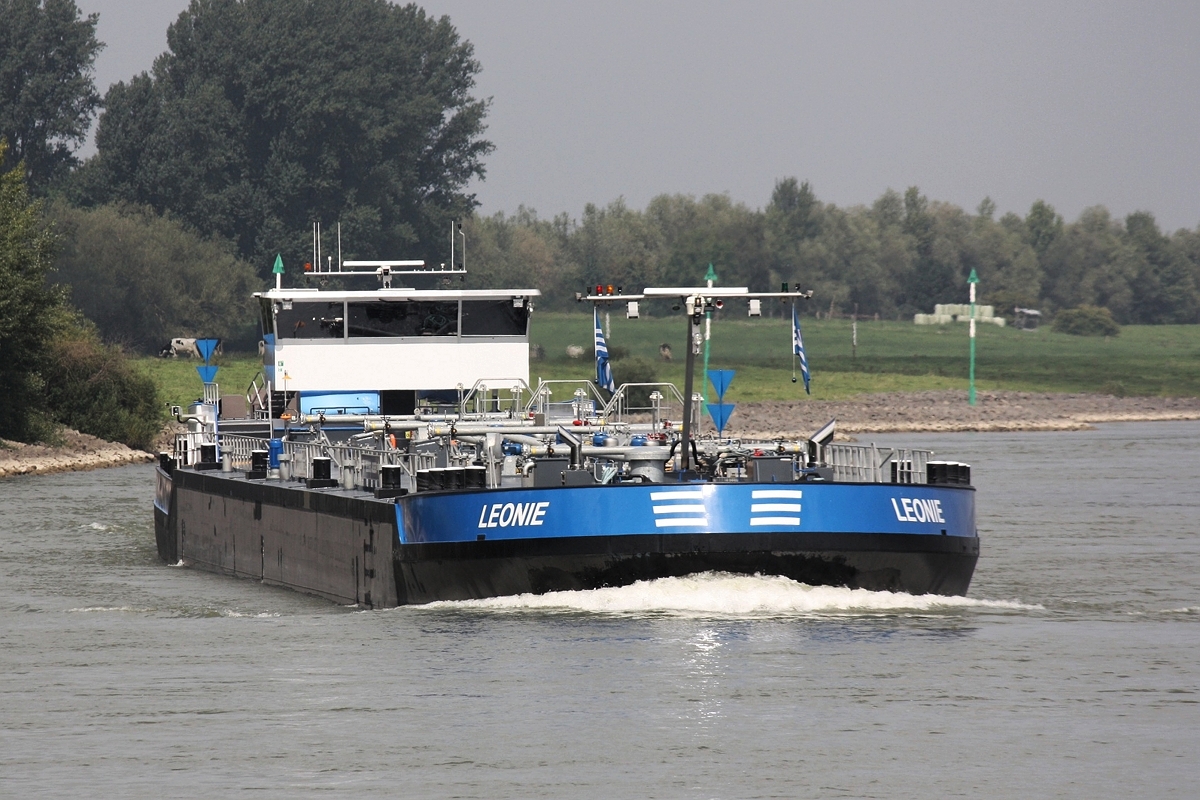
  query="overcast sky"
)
[{"x": 1074, "y": 103}]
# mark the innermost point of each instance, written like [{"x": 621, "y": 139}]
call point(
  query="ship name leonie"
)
[
  {"x": 918, "y": 509},
  {"x": 504, "y": 515}
]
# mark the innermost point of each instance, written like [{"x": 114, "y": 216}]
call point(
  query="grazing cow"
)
[
  {"x": 664, "y": 351},
  {"x": 184, "y": 347},
  {"x": 180, "y": 347},
  {"x": 574, "y": 351}
]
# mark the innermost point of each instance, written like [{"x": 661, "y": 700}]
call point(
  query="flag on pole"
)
[
  {"x": 798, "y": 349},
  {"x": 604, "y": 376}
]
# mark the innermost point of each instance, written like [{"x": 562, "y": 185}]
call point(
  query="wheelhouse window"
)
[
  {"x": 402, "y": 318},
  {"x": 507, "y": 317},
  {"x": 267, "y": 315},
  {"x": 309, "y": 320}
]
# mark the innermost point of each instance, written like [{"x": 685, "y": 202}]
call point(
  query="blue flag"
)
[
  {"x": 798, "y": 350},
  {"x": 604, "y": 376}
]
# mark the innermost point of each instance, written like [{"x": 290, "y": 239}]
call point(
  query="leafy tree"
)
[
  {"x": 1165, "y": 288},
  {"x": 47, "y": 94},
  {"x": 1090, "y": 264},
  {"x": 616, "y": 245},
  {"x": 143, "y": 279},
  {"x": 30, "y": 310},
  {"x": 266, "y": 115},
  {"x": 1043, "y": 225}
]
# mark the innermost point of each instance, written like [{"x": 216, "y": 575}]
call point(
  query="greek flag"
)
[
  {"x": 604, "y": 376},
  {"x": 798, "y": 349}
]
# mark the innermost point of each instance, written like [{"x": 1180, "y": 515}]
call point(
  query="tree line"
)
[{"x": 898, "y": 256}]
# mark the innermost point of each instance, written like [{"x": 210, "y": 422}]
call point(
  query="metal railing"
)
[
  {"x": 361, "y": 466},
  {"x": 871, "y": 464},
  {"x": 257, "y": 397},
  {"x": 356, "y": 466},
  {"x": 668, "y": 404}
]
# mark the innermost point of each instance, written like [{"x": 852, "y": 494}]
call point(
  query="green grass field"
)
[
  {"x": 899, "y": 356},
  {"x": 892, "y": 356},
  {"x": 179, "y": 383}
]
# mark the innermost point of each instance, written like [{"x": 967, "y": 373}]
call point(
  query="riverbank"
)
[
  {"x": 914, "y": 412},
  {"x": 78, "y": 451},
  {"x": 949, "y": 411}
]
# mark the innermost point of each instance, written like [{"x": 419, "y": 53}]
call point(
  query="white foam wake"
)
[{"x": 723, "y": 594}]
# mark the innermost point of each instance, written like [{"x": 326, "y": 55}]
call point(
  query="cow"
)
[
  {"x": 185, "y": 347},
  {"x": 180, "y": 347},
  {"x": 664, "y": 351}
]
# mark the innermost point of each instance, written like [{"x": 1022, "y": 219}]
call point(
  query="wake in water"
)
[{"x": 723, "y": 594}]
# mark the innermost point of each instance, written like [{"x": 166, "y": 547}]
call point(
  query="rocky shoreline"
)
[
  {"x": 944, "y": 411},
  {"x": 78, "y": 451},
  {"x": 948, "y": 411}
]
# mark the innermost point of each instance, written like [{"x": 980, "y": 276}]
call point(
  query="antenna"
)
[
  {"x": 464, "y": 248},
  {"x": 339, "y": 245},
  {"x": 452, "y": 223},
  {"x": 317, "y": 263}
]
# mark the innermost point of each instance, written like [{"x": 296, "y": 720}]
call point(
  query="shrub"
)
[
  {"x": 636, "y": 370},
  {"x": 93, "y": 388},
  {"x": 1087, "y": 321}
]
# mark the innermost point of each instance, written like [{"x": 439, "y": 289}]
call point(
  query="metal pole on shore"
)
[
  {"x": 971, "y": 281},
  {"x": 710, "y": 276}
]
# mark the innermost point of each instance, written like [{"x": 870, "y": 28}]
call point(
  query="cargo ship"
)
[{"x": 394, "y": 450}]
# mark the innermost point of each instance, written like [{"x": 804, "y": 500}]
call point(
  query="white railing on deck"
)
[
  {"x": 296, "y": 458},
  {"x": 871, "y": 464},
  {"x": 850, "y": 463}
]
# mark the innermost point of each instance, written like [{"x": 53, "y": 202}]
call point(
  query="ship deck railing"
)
[
  {"x": 362, "y": 466},
  {"x": 871, "y": 464}
]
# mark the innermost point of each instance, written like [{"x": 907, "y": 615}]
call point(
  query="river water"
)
[{"x": 1071, "y": 670}]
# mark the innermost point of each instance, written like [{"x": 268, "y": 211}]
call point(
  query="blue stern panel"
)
[{"x": 551, "y": 513}]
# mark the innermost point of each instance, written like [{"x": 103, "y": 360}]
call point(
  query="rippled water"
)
[{"x": 1071, "y": 670}]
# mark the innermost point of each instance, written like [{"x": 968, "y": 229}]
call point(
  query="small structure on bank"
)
[
  {"x": 1027, "y": 318},
  {"x": 945, "y": 313}
]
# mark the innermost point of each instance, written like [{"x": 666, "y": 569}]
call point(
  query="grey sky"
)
[{"x": 1074, "y": 103}]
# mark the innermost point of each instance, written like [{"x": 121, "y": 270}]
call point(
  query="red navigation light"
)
[
  {"x": 308, "y": 266},
  {"x": 719, "y": 304},
  {"x": 599, "y": 289}
]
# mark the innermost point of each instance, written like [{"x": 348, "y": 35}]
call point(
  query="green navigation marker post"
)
[
  {"x": 278, "y": 270},
  {"x": 971, "y": 281},
  {"x": 710, "y": 276}
]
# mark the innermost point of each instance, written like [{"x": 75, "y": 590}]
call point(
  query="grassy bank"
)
[
  {"x": 901, "y": 356},
  {"x": 179, "y": 384},
  {"x": 891, "y": 357}
]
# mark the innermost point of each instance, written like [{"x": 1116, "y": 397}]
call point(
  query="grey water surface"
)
[{"x": 123, "y": 677}]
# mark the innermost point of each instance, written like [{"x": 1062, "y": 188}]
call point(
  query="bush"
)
[
  {"x": 636, "y": 370},
  {"x": 1087, "y": 321},
  {"x": 93, "y": 388}
]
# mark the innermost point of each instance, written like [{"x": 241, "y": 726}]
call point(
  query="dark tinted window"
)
[
  {"x": 309, "y": 321},
  {"x": 268, "y": 319},
  {"x": 403, "y": 318},
  {"x": 495, "y": 317}
]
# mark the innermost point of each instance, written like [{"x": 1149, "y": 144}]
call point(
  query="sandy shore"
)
[
  {"x": 949, "y": 411},
  {"x": 877, "y": 413},
  {"x": 78, "y": 452}
]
